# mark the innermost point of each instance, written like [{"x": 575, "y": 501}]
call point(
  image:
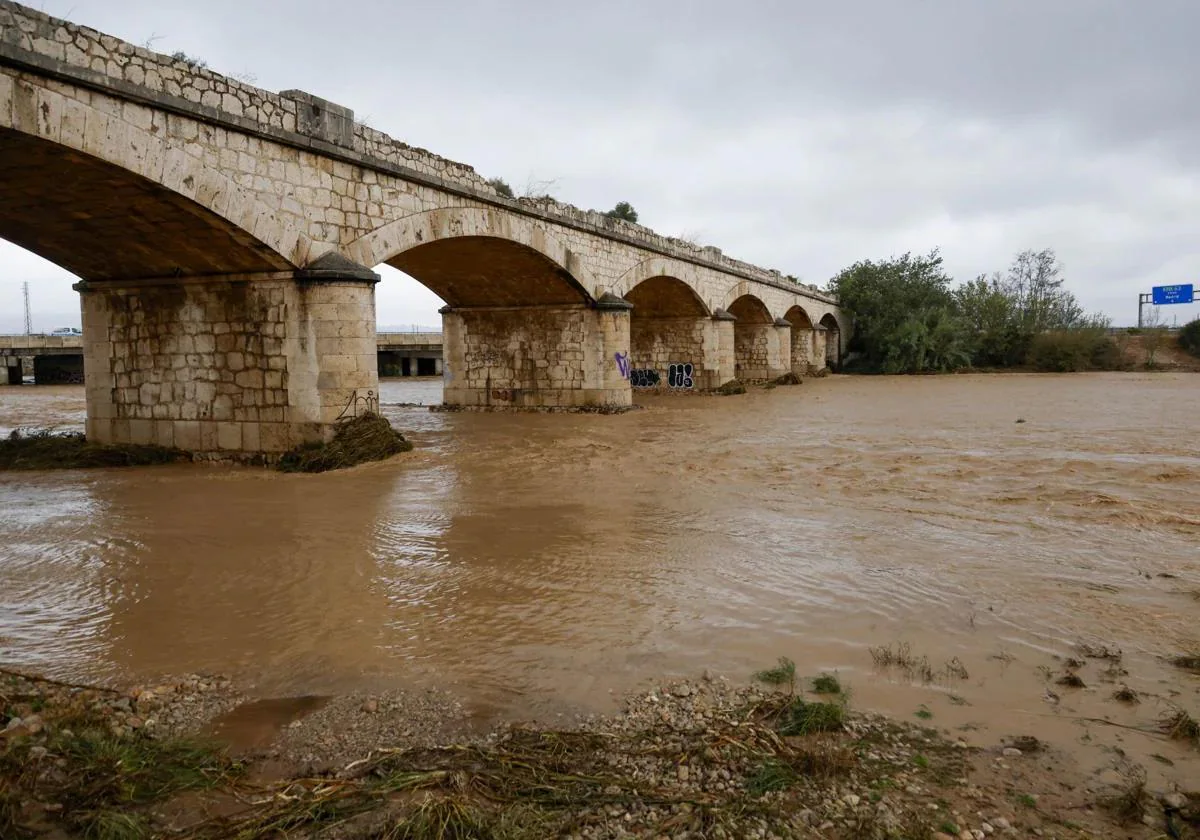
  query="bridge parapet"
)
[
  {"x": 22, "y": 344},
  {"x": 57, "y": 47}
]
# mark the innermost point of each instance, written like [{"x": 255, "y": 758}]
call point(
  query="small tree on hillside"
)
[
  {"x": 623, "y": 210},
  {"x": 501, "y": 187}
]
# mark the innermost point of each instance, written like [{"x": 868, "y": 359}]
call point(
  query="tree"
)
[
  {"x": 1034, "y": 284},
  {"x": 990, "y": 319},
  {"x": 1154, "y": 335},
  {"x": 623, "y": 210},
  {"x": 903, "y": 313},
  {"x": 501, "y": 187}
]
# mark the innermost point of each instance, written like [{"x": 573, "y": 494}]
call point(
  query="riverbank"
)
[{"x": 702, "y": 758}]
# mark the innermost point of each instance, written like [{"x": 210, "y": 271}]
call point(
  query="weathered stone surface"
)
[{"x": 256, "y": 365}]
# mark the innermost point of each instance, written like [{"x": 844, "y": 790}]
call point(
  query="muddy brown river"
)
[{"x": 537, "y": 564}]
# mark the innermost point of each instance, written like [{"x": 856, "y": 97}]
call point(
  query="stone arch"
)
[
  {"x": 669, "y": 329},
  {"x": 663, "y": 296},
  {"x": 803, "y": 336},
  {"x": 749, "y": 309},
  {"x": 833, "y": 340},
  {"x": 472, "y": 256},
  {"x": 755, "y": 346},
  {"x": 107, "y": 199},
  {"x": 657, "y": 267}
]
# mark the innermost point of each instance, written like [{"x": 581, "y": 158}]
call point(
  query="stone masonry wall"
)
[
  {"x": 213, "y": 366},
  {"x": 658, "y": 343},
  {"x": 551, "y": 356},
  {"x": 755, "y": 351},
  {"x": 201, "y": 366},
  {"x": 802, "y": 344}
]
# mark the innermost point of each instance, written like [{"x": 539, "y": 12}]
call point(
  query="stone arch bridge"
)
[{"x": 226, "y": 235}]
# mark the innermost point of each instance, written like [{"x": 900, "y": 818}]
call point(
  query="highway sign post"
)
[{"x": 1165, "y": 296}]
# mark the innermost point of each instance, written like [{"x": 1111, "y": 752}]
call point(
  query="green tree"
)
[
  {"x": 501, "y": 187},
  {"x": 904, "y": 319},
  {"x": 623, "y": 210},
  {"x": 990, "y": 319}
]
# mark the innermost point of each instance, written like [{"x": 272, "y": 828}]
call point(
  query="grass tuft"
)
[
  {"x": 826, "y": 684},
  {"x": 772, "y": 775},
  {"x": 1125, "y": 694},
  {"x": 799, "y": 717},
  {"x": 441, "y": 819},
  {"x": 1071, "y": 680},
  {"x": 115, "y": 825},
  {"x": 1178, "y": 725},
  {"x": 783, "y": 673},
  {"x": 1131, "y": 801}
]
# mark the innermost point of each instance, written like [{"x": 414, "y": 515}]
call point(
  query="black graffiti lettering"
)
[
  {"x": 643, "y": 377},
  {"x": 680, "y": 375}
]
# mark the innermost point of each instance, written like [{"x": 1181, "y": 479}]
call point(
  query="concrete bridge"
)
[
  {"x": 52, "y": 359},
  {"x": 226, "y": 235}
]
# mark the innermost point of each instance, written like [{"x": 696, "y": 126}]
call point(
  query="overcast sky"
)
[{"x": 797, "y": 135}]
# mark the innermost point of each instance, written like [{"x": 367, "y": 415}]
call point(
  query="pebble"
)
[
  {"x": 852, "y": 800},
  {"x": 370, "y": 706},
  {"x": 1003, "y": 824},
  {"x": 683, "y": 773},
  {"x": 1175, "y": 800},
  {"x": 1011, "y": 752}
]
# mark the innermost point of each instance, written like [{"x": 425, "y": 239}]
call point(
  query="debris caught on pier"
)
[{"x": 368, "y": 437}]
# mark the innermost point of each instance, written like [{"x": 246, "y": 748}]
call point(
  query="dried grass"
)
[{"x": 368, "y": 437}]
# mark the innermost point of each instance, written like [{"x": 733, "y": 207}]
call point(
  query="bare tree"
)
[
  {"x": 1154, "y": 335},
  {"x": 535, "y": 188}
]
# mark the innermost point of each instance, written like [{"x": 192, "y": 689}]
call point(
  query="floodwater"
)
[{"x": 538, "y": 564}]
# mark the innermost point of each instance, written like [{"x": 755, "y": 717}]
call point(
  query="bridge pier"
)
[
  {"x": 757, "y": 351},
  {"x": 819, "y": 351},
  {"x": 230, "y": 366},
  {"x": 783, "y": 335},
  {"x": 802, "y": 350},
  {"x": 545, "y": 356}
]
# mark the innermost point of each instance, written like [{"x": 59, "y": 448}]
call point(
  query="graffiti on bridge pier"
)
[
  {"x": 622, "y": 364},
  {"x": 359, "y": 404},
  {"x": 643, "y": 378},
  {"x": 680, "y": 375}
]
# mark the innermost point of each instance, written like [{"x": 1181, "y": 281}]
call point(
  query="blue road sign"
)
[{"x": 1180, "y": 293}]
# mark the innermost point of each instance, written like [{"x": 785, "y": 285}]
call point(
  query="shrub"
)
[
  {"x": 1189, "y": 337},
  {"x": 1065, "y": 351}
]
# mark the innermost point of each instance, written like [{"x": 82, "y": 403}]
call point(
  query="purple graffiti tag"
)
[{"x": 622, "y": 364}]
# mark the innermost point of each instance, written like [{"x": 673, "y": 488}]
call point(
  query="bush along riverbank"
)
[
  {"x": 910, "y": 318},
  {"x": 787, "y": 757}
]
